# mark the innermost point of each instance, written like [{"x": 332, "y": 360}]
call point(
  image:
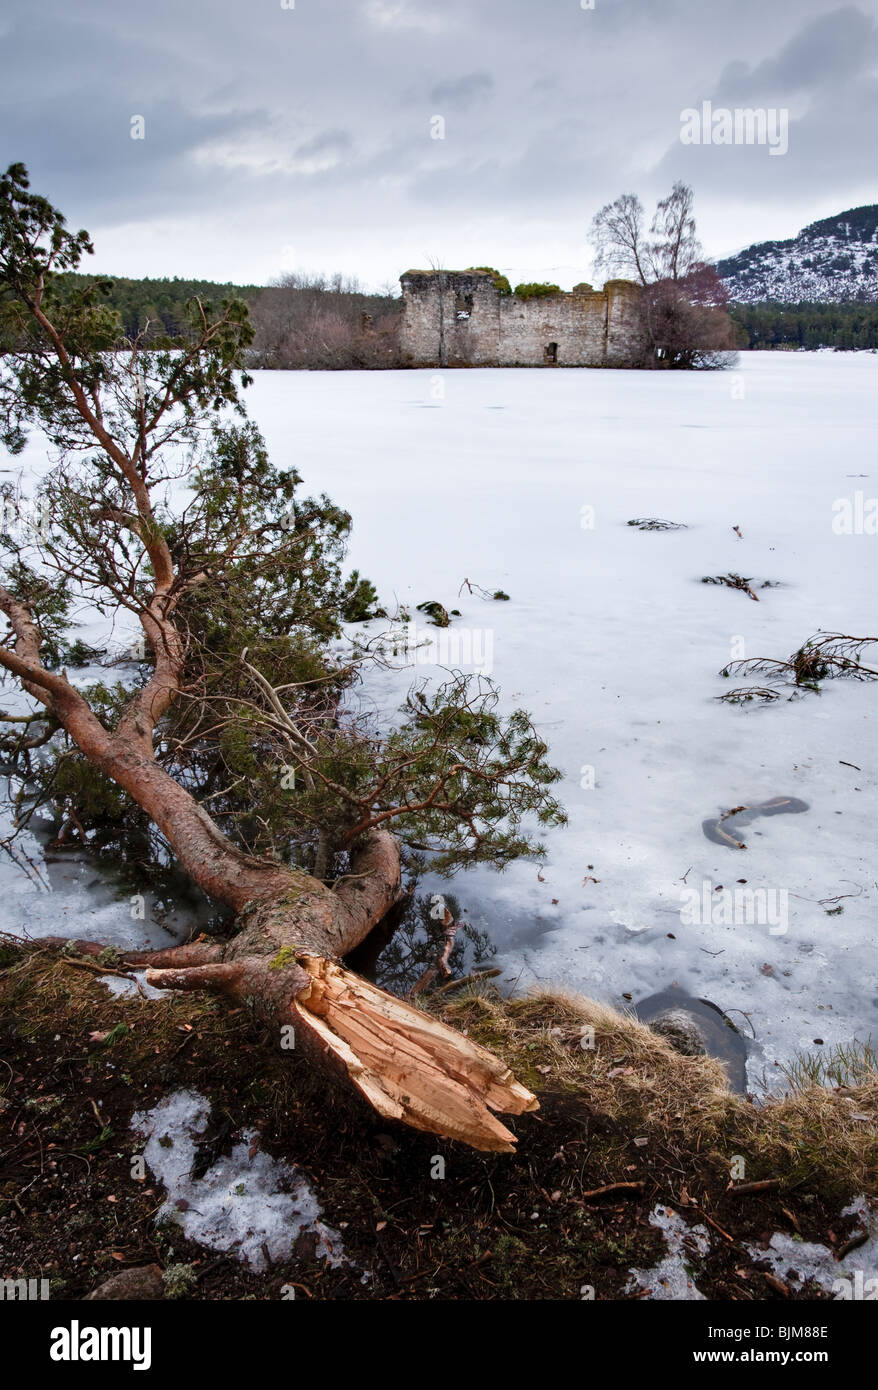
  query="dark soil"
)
[{"x": 495, "y": 1227}]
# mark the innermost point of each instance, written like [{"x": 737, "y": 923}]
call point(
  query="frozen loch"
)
[{"x": 525, "y": 481}]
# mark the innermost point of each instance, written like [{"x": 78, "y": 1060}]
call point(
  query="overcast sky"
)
[{"x": 302, "y": 138}]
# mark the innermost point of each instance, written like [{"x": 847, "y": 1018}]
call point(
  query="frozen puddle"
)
[
  {"x": 671, "y": 1278},
  {"x": 797, "y": 1261},
  {"x": 248, "y": 1203}
]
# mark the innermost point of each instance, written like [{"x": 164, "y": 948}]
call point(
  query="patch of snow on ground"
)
[
  {"x": 797, "y": 1261},
  {"x": 119, "y": 985},
  {"x": 670, "y": 1278},
  {"x": 242, "y": 1203}
]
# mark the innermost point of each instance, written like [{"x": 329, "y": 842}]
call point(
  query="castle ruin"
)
[{"x": 461, "y": 318}]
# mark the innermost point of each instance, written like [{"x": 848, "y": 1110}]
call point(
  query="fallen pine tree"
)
[{"x": 228, "y": 741}]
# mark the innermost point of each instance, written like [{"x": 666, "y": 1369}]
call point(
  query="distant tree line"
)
[
  {"x": 770, "y": 325},
  {"x": 326, "y": 322},
  {"x": 155, "y": 310},
  {"x": 301, "y": 321}
]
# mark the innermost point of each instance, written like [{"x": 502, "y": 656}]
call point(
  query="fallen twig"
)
[
  {"x": 744, "y": 1188},
  {"x": 854, "y": 1243},
  {"x": 777, "y": 1284},
  {"x": 99, "y": 969},
  {"x": 716, "y": 1226},
  {"x": 611, "y": 1187},
  {"x": 732, "y": 581}
]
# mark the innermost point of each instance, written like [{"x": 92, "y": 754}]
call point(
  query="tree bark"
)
[
  {"x": 293, "y": 933},
  {"x": 285, "y": 959}
]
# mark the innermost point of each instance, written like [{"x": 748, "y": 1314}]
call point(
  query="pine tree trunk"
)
[
  {"x": 292, "y": 934},
  {"x": 293, "y": 930}
]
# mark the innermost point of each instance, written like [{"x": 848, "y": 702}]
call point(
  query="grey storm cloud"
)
[
  {"x": 824, "y": 80},
  {"x": 305, "y": 137},
  {"x": 328, "y": 141},
  {"x": 462, "y": 91},
  {"x": 831, "y": 49}
]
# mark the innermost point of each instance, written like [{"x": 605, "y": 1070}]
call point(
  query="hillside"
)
[{"x": 834, "y": 261}]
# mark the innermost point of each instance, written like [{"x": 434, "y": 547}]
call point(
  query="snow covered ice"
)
[{"x": 525, "y": 480}]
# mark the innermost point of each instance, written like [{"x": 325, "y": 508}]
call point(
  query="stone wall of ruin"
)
[{"x": 459, "y": 318}]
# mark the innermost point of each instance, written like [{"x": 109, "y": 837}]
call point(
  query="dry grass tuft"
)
[
  {"x": 630, "y": 1084},
  {"x": 639, "y": 1084}
]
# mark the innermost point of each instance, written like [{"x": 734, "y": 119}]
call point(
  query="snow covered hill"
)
[{"x": 834, "y": 261}]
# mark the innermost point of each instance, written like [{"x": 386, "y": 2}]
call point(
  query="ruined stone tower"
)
[{"x": 459, "y": 318}]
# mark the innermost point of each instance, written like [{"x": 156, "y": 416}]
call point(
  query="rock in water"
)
[
  {"x": 682, "y": 1031},
  {"x": 697, "y": 1028}
]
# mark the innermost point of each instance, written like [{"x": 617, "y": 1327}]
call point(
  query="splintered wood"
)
[{"x": 410, "y": 1066}]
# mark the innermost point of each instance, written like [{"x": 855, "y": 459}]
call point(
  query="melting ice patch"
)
[
  {"x": 247, "y": 1203},
  {"x": 670, "y": 1278},
  {"x": 797, "y": 1261}
]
